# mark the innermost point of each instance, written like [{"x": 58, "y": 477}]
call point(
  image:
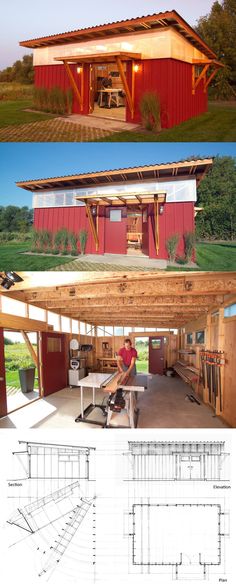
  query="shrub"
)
[
  {"x": 151, "y": 111},
  {"x": 74, "y": 252},
  {"x": 61, "y": 239},
  {"x": 55, "y": 251},
  {"x": 53, "y": 100},
  {"x": 83, "y": 237},
  {"x": 45, "y": 239},
  {"x": 181, "y": 260},
  {"x": 171, "y": 246},
  {"x": 35, "y": 241},
  {"x": 73, "y": 239},
  {"x": 189, "y": 245}
]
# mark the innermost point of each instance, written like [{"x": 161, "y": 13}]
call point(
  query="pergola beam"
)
[
  {"x": 129, "y": 98},
  {"x": 74, "y": 85},
  {"x": 92, "y": 226}
]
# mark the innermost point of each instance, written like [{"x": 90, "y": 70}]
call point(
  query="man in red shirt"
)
[{"x": 126, "y": 359}]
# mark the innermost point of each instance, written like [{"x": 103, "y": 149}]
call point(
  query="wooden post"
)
[
  {"x": 201, "y": 76},
  {"x": 193, "y": 79},
  {"x": 73, "y": 83},
  {"x": 91, "y": 223},
  {"x": 221, "y": 347},
  {"x": 209, "y": 80},
  {"x": 207, "y": 346},
  {"x": 156, "y": 223},
  {"x": 30, "y": 348},
  {"x": 125, "y": 84}
]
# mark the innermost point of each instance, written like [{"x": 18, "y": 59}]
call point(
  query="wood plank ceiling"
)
[{"x": 133, "y": 299}]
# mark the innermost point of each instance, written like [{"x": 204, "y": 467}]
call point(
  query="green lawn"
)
[
  {"x": 216, "y": 257},
  {"x": 210, "y": 257},
  {"x": 12, "y": 379},
  {"x": 12, "y": 112},
  {"x": 10, "y": 258},
  {"x": 218, "y": 124},
  {"x": 142, "y": 366}
]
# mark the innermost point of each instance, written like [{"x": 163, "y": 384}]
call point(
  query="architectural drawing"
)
[
  {"x": 178, "y": 461},
  {"x": 124, "y": 509}
]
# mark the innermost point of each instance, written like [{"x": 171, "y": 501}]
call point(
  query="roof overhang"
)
[
  {"x": 100, "y": 57},
  {"x": 194, "y": 168},
  {"x": 152, "y": 22}
]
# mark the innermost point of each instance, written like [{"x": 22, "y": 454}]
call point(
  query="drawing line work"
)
[
  {"x": 52, "y": 461},
  {"x": 178, "y": 461},
  {"x": 127, "y": 509},
  {"x": 157, "y": 541}
]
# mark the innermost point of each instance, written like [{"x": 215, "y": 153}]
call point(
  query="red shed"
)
[
  {"x": 159, "y": 53},
  {"x": 125, "y": 211}
]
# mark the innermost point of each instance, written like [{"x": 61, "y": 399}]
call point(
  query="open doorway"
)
[
  {"x": 142, "y": 348},
  {"x": 107, "y": 96},
  {"x": 22, "y": 380},
  {"x": 134, "y": 235}
]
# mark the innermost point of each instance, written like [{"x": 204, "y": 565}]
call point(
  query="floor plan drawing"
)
[{"x": 129, "y": 509}]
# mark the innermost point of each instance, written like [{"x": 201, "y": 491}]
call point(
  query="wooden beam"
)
[
  {"x": 20, "y": 323},
  {"x": 73, "y": 84},
  {"x": 200, "y": 77},
  {"x": 30, "y": 348},
  {"x": 125, "y": 84},
  {"x": 128, "y": 302},
  {"x": 156, "y": 224},
  {"x": 211, "y": 77},
  {"x": 92, "y": 226}
]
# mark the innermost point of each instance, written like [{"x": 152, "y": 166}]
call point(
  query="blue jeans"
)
[{"x": 133, "y": 370}]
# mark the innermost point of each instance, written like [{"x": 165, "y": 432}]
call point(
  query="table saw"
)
[{"x": 120, "y": 408}]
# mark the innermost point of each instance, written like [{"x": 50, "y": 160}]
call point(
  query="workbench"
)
[{"x": 110, "y": 383}]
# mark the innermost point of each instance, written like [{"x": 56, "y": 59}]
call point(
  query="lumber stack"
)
[{"x": 188, "y": 373}]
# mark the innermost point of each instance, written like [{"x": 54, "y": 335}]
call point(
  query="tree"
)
[
  {"x": 22, "y": 71},
  {"x": 218, "y": 29},
  {"x": 15, "y": 219},
  {"x": 217, "y": 196}
]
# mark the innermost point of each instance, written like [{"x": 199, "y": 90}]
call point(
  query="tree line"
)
[
  {"x": 21, "y": 71},
  {"x": 15, "y": 219},
  {"x": 218, "y": 30}
]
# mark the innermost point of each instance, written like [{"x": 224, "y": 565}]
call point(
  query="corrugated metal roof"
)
[
  {"x": 205, "y": 161},
  {"x": 172, "y": 18}
]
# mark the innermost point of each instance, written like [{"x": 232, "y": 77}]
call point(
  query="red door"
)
[
  {"x": 3, "y": 390},
  {"x": 54, "y": 362},
  {"x": 156, "y": 355},
  {"x": 115, "y": 230}
]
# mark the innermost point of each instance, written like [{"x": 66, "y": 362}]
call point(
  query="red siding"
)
[
  {"x": 170, "y": 78},
  {"x": 3, "y": 393},
  {"x": 49, "y": 76},
  {"x": 177, "y": 218},
  {"x": 115, "y": 233},
  {"x": 54, "y": 365},
  {"x": 73, "y": 218}
]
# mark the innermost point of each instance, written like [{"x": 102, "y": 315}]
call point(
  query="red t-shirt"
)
[{"x": 127, "y": 355}]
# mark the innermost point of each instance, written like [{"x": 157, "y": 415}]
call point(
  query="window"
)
[
  {"x": 118, "y": 331},
  {"x": 115, "y": 215},
  {"x": 230, "y": 311},
  {"x": 54, "y": 320},
  {"x": 190, "y": 338},
  {"x": 156, "y": 344},
  {"x": 82, "y": 327},
  {"x": 200, "y": 337},
  {"x": 36, "y": 313},
  {"x": 127, "y": 331},
  {"x": 10, "y": 306},
  {"x": 53, "y": 345},
  {"x": 65, "y": 324},
  {"x": 75, "y": 326}
]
